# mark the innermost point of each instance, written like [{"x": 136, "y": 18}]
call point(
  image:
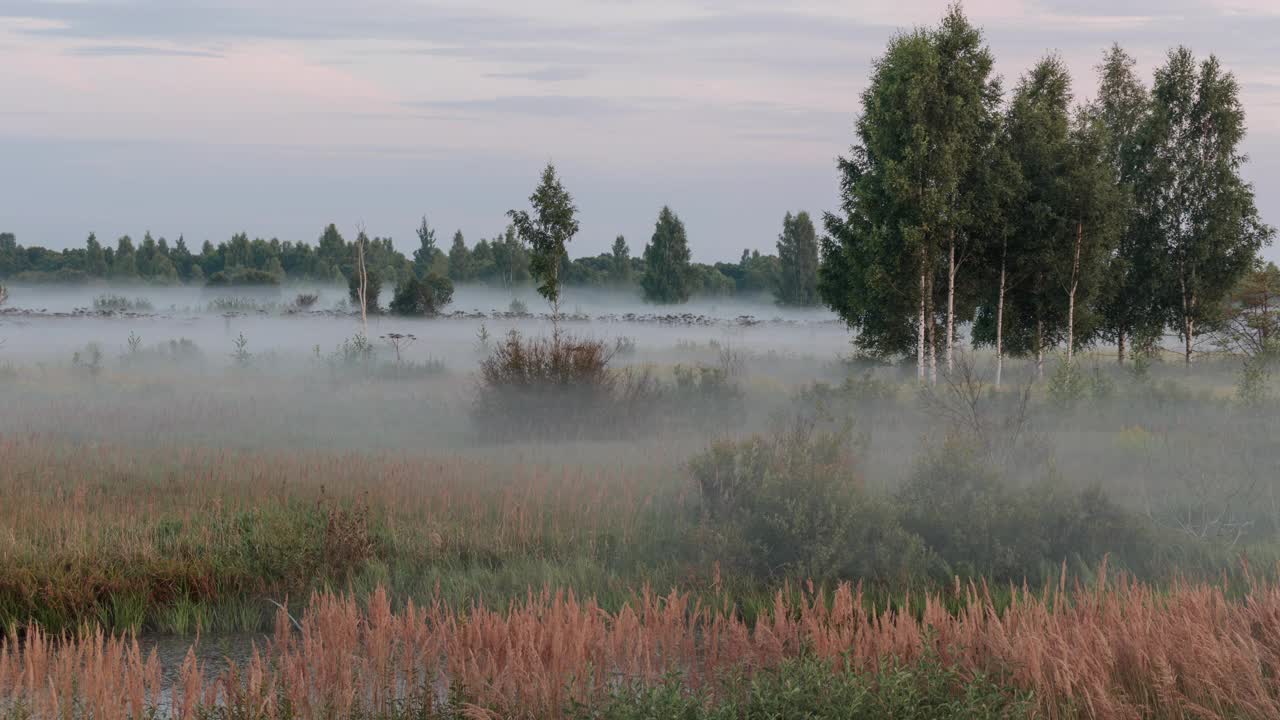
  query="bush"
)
[
  {"x": 305, "y": 301},
  {"x": 373, "y": 288},
  {"x": 791, "y": 504},
  {"x": 707, "y": 393},
  {"x": 120, "y": 303},
  {"x": 557, "y": 387},
  {"x": 4, "y": 294},
  {"x": 976, "y": 524},
  {"x": 425, "y": 297}
]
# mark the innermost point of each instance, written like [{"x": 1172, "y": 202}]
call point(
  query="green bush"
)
[
  {"x": 425, "y": 297},
  {"x": 976, "y": 524},
  {"x": 120, "y": 303},
  {"x": 791, "y": 504},
  {"x": 373, "y": 288}
]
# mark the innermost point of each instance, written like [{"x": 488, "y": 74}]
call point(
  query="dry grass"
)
[
  {"x": 1119, "y": 650},
  {"x": 82, "y": 523}
]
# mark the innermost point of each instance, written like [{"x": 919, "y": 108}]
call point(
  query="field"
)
[{"x": 336, "y": 528}]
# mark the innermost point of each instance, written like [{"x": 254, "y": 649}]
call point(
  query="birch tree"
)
[
  {"x": 1128, "y": 309},
  {"x": 1092, "y": 209},
  {"x": 547, "y": 231},
  {"x": 1039, "y": 122},
  {"x": 880, "y": 250},
  {"x": 966, "y": 122},
  {"x": 1193, "y": 194}
]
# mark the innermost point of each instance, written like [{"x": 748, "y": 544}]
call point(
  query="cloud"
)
[
  {"x": 546, "y": 74},
  {"x": 538, "y": 105},
  {"x": 139, "y": 51}
]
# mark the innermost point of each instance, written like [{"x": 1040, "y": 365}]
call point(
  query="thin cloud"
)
[
  {"x": 546, "y": 75},
  {"x": 139, "y": 51},
  {"x": 536, "y": 105}
]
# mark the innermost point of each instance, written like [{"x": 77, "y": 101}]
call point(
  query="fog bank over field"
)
[{"x": 49, "y": 323}]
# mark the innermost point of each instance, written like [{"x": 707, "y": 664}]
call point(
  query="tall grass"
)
[{"x": 1115, "y": 649}]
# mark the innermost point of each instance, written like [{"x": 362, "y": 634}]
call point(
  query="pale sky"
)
[{"x": 207, "y": 117}]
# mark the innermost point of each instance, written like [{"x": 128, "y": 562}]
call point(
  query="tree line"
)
[
  {"x": 1043, "y": 222},
  {"x": 663, "y": 273}
]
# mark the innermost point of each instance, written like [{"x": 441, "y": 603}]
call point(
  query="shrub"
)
[
  {"x": 373, "y": 289},
  {"x": 707, "y": 393},
  {"x": 305, "y": 301},
  {"x": 425, "y": 297},
  {"x": 89, "y": 359},
  {"x": 791, "y": 503},
  {"x": 976, "y": 524},
  {"x": 232, "y": 304},
  {"x": 557, "y": 387},
  {"x": 517, "y": 307},
  {"x": 120, "y": 303},
  {"x": 4, "y": 294}
]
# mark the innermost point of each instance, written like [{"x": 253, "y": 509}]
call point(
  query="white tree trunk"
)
[
  {"x": 1000, "y": 326},
  {"x": 1071, "y": 296},
  {"x": 933, "y": 338},
  {"x": 920, "y": 334},
  {"x": 951, "y": 302}
]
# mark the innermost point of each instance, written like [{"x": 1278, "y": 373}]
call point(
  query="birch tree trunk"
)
[
  {"x": 920, "y": 333},
  {"x": 951, "y": 301},
  {"x": 933, "y": 338},
  {"x": 1188, "y": 323},
  {"x": 1071, "y": 296}
]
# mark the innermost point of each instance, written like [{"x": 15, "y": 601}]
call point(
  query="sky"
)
[{"x": 209, "y": 117}]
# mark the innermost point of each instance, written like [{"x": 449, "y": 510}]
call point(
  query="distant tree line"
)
[
  {"x": 1044, "y": 223},
  {"x": 663, "y": 272}
]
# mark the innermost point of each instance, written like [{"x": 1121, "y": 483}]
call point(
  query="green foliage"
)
[
  {"x": 427, "y": 296},
  {"x": 976, "y": 524},
  {"x": 424, "y": 258},
  {"x": 547, "y": 232},
  {"x": 791, "y": 504},
  {"x": 620, "y": 259},
  {"x": 119, "y": 304},
  {"x": 373, "y": 288},
  {"x": 707, "y": 393},
  {"x": 798, "y": 261},
  {"x": 807, "y": 687},
  {"x": 666, "y": 260},
  {"x": 243, "y": 277},
  {"x": 1193, "y": 195},
  {"x": 907, "y": 187},
  {"x": 241, "y": 354},
  {"x": 89, "y": 359}
]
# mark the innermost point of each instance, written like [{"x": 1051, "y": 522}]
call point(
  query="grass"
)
[
  {"x": 437, "y": 576},
  {"x": 1116, "y": 649}
]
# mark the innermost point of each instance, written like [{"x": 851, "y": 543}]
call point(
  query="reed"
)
[{"x": 1116, "y": 649}]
